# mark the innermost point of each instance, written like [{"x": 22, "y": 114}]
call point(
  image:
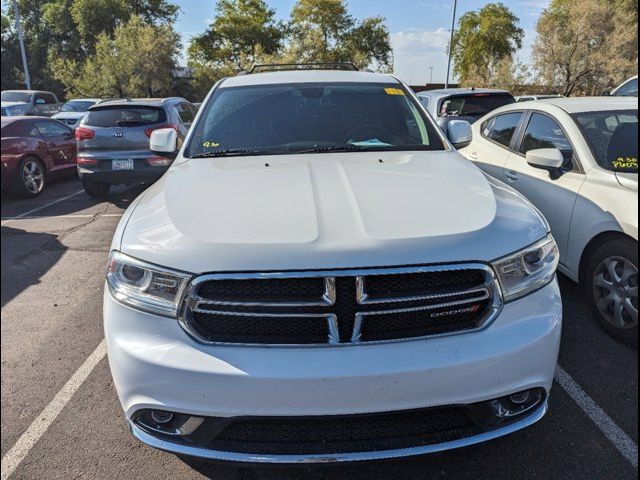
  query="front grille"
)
[
  {"x": 344, "y": 433},
  {"x": 341, "y": 307}
]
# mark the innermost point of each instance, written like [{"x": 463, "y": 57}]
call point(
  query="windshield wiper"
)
[
  {"x": 334, "y": 148},
  {"x": 228, "y": 153}
]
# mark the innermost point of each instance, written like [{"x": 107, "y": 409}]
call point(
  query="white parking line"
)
[
  {"x": 623, "y": 442},
  {"x": 41, "y": 207},
  {"x": 70, "y": 215},
  {"x": 43, "y": 421}
]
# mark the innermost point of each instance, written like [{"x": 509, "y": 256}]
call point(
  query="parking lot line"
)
[
  {"x": 43, "y": 421},
  {"x": 625, "y": 445},
  {"x": 41, "y": 207}
]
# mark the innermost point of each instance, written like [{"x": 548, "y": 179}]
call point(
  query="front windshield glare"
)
[
  {"x": 613, "y": 137},
  {"x": 311, "y": 118},
  {"x": 16, "y": 97}
]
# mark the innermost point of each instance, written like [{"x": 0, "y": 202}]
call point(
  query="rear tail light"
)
[
  {"x": 148, "y": 131},
  {"x": 83, "y": 133},
  {"x": 159, "y": 161},
  {"x": 87, "y": 161}
]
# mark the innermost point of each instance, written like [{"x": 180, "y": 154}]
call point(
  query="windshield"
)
[
  {"x": 613, "y": 138},
  {"x": 119, "y": 116},
  {"x": 16, "y": 97},
  {"x": 310, "y": 118},
  {"x": 77, "y": 106},
  {"x": 474, "y": 105}
]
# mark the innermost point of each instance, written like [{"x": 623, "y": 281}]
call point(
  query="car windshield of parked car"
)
[
  {"x": 613, "y": 138},
  {"x": 16, "y": 97},
  {"x": 123, "y": 116},
  {"x": 476, "y": 105},
  {"x": 629, "y": 89},
  {"x": 77, "y": 106},
  {"x": 312, "y": 118}
]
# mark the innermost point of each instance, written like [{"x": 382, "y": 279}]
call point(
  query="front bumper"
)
[{"x": 155, "y": 364}]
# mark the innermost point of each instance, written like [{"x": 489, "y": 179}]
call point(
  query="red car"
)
[{"x": 35, "y": 150}]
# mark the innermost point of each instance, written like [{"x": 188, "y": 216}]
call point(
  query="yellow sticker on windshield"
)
[
  {"x": 210, "y": 144},
  {"x": 625, "y": 162},
  {"x": 394, "y": 91}
]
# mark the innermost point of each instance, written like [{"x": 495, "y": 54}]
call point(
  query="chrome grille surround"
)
[{"x": 489, "y": 291}]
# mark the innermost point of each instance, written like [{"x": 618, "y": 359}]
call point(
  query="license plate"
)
[{"x": 122, "y": 164}]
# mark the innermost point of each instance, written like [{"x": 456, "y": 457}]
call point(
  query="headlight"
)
[
  {"x": 530, "y": 269},
  {"x": 144, "y": 286},
  {"x": 17, "y": 110}
]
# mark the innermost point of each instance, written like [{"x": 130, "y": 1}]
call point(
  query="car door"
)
[
  {"x": 491, "y": 150},
  {"x": 556, "y": 197},
  {"x": 60, "y": 143}
]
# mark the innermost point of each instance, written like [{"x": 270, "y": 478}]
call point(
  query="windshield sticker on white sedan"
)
[
  {"x": 626, "y": 162},
  {"x": 394, "y": 91},
  {"x": 210, "y": 144}
]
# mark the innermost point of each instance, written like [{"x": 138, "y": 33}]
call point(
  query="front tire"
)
[
  {"x": 32, "y": 179},
  {"x": 612, "y": 286},
  {"x": 95, "y": 189}
]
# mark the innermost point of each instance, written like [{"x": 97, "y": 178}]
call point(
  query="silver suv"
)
[{"x": 113, "y": 141}]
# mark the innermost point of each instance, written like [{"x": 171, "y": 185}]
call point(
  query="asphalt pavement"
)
[{"x": 61, "y": 418}]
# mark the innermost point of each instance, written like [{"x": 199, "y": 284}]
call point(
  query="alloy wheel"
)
[
  {"x": 32, "y": 176},
  {"x": 615, "y": 289}
]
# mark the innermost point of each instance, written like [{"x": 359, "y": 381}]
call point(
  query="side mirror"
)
[
  {"x": 550, "y": 159},
  {"x": 164, "y": 142},
  {"x": 459, "y": 133}
]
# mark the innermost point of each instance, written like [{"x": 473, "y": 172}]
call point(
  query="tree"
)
[
  {"x": 507, "y": 74},
  {"x": 585, "y": 46},
  {"x": 483, "y": 39},
  {"x": 324, "y": 31},
  {"x": 241, "y": 33},
  {"x": 67, "y": 30},
  {"x": 138, "y": 60}
]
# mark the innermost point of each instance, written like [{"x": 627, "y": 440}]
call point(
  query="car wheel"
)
[
  {"x": 613, "y": 286},
  {"x": 32, "y": 178},
  {"x": 96, "y": 189}
]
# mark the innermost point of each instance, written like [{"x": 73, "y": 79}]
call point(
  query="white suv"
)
[{"x": 321, "y": 277}]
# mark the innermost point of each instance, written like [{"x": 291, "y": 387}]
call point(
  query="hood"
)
[
  {"x": 69, "y": 115},
  {"x": 628, "y": 180},
  {"x": 327, "y": 211}
]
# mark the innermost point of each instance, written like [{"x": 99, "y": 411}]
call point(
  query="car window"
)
[
  {"x": 629, "y": 89},
  {"x": 77, "y": 106},
  {"x": 185, "y": 113},
  {"x": 313, "y": 118},
  {"x": 16, "y": 97},
  {"x": 50, "y": 129},
  {"x": 424, "y": 101},
  {"x": 544, "y": 132},
  {"x": 45, "y": 98},
  {"x": 476, "y": 104},
  {"x": 123, "y": 116},
  {"x": 613, "y": 138},
  {"x": 501, "y": 128}
]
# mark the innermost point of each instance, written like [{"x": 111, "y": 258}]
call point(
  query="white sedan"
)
[{"x": 576, "y": 159}]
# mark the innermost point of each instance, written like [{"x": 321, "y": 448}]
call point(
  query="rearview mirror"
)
[
  {"x": 550, "y": 159},
  {"x": 459, "y": 133},
  {"x": 164, "y": 142}
]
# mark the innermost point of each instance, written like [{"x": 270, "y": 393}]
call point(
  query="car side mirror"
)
[
  {"x": 459, "y": 133},
  {"x": 164, "y": 142},
  {"x": 550, "y": 159}
]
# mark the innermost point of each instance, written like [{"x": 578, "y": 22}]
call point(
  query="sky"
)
[{"x": 419, "y": 28}]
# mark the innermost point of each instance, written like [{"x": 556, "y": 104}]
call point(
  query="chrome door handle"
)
[{"x": 512, "y": 176}]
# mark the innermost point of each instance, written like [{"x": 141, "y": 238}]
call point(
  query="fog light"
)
[
  {"x": 161, "y": 417},
  {"x": 504, "y": 410}
]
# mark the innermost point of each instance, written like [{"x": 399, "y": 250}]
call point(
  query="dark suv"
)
[{"x": 113, "y": 140}]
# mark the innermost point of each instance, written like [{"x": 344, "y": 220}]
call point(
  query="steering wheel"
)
[{"x": 367, "y": 132}]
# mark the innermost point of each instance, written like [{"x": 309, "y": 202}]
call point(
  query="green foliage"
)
[
  {"x": 587, "y": 46},
  {"x": 240, "y": 33},
  {"x": 483, "y": 39},
  {"x": 136, "y": 61}
]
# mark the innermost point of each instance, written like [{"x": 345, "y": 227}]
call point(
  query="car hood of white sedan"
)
[
  {"x": 324, "y": 211},
  {"x": 628, "y": 180}
]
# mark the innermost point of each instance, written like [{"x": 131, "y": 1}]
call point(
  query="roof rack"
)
[{"x": 276, "y": 67}]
